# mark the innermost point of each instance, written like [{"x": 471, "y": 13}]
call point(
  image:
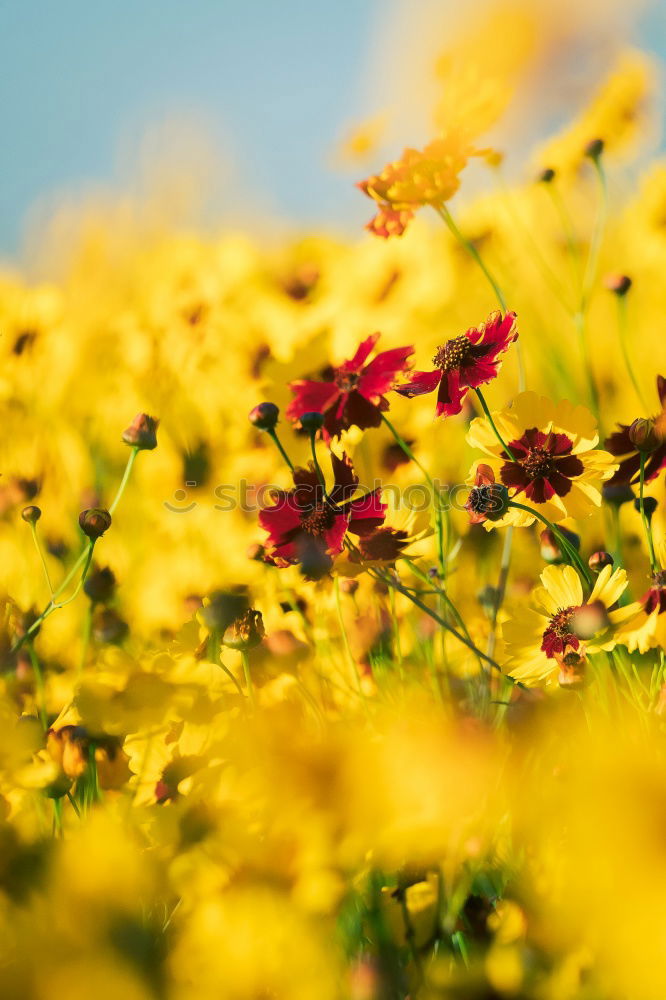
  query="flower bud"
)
[
  {"x": 221, "y": 609},
  {"x": 264, "y": 416},
  {"x": 546, "y": 176},
  {"x": 94, "y": 522},
  {"x": 312, "y": 422},
  {"x": 109, "y": 628},
  {"x": 594, "y": 149},
  {"x": 487, "y": 598},
  {"x": 349, "y": 585},
  {"x": 100, "y": 585},
  {"x": 617, "y": 493},
  {"x": 642, "y": 435},
  {"x": 618, "y": 283},
  {"x": 550, "y": 546},
  {"x": 142, "y": 432},
  {"x": 31, "y": 514},
  {"x": 246, "y": 632},
  {"x": 589, "y": 619},
  {"x": 649, "y": 506},
  {"x": 599, "y": 560}
]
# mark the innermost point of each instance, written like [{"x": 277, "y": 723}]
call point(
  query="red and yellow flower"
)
[{"x": 550, "y": 461}]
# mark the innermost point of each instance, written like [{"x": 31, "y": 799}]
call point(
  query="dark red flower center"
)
[
  {"x": 318, "y": 519},
  {"x": 453, "y": 354},
  {"x": 558, "y": 635},
  {"x": 347, "y": 381},
  {"x": 538, "y": 463}
]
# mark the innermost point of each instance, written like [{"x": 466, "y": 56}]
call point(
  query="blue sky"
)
[{"x": 275, "y": 82}]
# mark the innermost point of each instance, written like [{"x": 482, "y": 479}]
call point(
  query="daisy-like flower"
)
[
  {"x": 552, "y": 465},
  {"x": 559, "y": 628},
  {"x": 306, "y": 520},
  {"x": 420, "y": 177},
  {"x": 649, "y": 629},
  {"x": 621, "y": 445},
  {"x": 353, "y": 394},
  {"x": 463, "y": 363}
]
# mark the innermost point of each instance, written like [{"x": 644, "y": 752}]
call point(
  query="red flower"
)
[
  {"x": 621, "y": 445},
  {"x": 544, "y": 465},
  {"x": 305, "y": 518},
  {"x": 352, "y": 395},
  {"x": 465, "y": 362}
]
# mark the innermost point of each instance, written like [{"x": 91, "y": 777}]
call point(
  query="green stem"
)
[
  {"x": 123, "y": 482},
  {"x": 494, "y": 427},
  {"x": 39, "y": 684},
  {"x": 622, "y": 336},
  {"x": 597, "y": 235},
  {"x": 500, "y": 590},
  {"x": 567, "y": 548},
  {"x": 51, "y": 606},
  {"x": 444, "y": 213},
  {"x": 273, "y": 435},
  {"x": 40, "y": 553},
  {"x": 77, "y": 590},
  {"x": 646, "y": 520},
  {"x": 315, "y": 460},
  {"x": 245, "y": 660},
  {"x": 442, "y": 548}
]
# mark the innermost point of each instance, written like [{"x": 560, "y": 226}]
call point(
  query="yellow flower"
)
[
  {"x": 559, "y": 623},
  {"x": 555, "y": 467}
]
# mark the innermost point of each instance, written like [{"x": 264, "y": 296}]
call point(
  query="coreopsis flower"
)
[
  {"x": 555, "y": 466},
  {"x": 420, "y": 177},
  {"x": 650, "y": 435},
  {"x": 352, "y": 394},
  {"x": 558, "y": 628},
  {"x": 464, "y": 363},
  {"x": 648, "y": 630},
  {"x": 307, "y": 519}
]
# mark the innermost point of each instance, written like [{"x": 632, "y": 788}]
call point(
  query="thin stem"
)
[
  {"x": 442, "y": 548},
  {"x": 87, "y": 633},
  {"x": 86, "y": 568},
  {"x": 622, "y": 329},
  {"x": 123, "y": 482},
  {"x": 313, "y": 449},
  {"x": 565, "y": 545},
  {"x": 444, "y": 213},
  {"x": 273, "y": 435},
  {"x": 81, "y": 558},
  {"x": 40, "y": 553},
  {"x": 569, "y": 235},
  {"x": 646, "y": 520},
  {"x": 494, "y": 427},
  {"x": 500, "y": 590},
  {"x": 39, "y": 684},
  {"x": 597, "y": 235},
  {"x": 215, "y": 657},
  {"x": 245, "y": 660},
  {"x": 345, "y": 639}
]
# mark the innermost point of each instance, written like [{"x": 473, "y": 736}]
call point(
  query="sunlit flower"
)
[
  {"x": 307, "y": 517},
  {"x": 621, "y": 445},
  {"x": 463, "y": 363},
  {"x": 559, "y": 621},
  {"x": 555, "y": 465},
  {"x": 352, "y": 394},
  {"x": 420, "y": 177}
]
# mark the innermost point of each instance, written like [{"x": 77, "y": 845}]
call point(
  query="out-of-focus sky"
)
[{"x": 273, "y": 85}]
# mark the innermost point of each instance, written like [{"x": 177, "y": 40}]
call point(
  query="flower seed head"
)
[
  {"x": 649, "y": 506},
  {"x": 246, "y": 632},
  {"x": 594, "y": 149}
]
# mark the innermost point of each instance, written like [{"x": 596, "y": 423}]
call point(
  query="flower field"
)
[{"x": 333, "y": 589}]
